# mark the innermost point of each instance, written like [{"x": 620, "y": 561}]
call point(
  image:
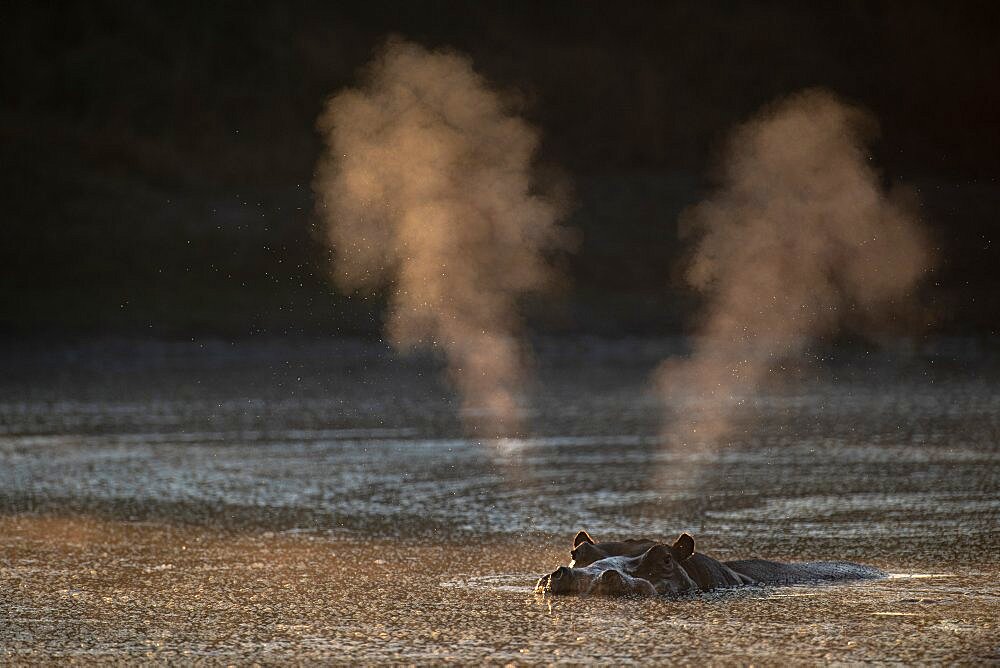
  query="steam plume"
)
[
  {"x": 426, "y": 187},
  {"x": 798, "y": 239}
]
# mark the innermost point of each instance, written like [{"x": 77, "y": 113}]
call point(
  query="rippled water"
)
[{"x": 279, "y": 500}]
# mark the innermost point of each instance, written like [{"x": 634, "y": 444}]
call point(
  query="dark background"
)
[{"x": 156, "y": 157}]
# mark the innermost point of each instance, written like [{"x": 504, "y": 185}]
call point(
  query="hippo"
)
[
  {"x": 586, "y": 551},
  {"x": 646, "y": 567}
]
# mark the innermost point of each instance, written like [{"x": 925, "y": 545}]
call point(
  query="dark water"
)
[{"x": 287, "y": 500}]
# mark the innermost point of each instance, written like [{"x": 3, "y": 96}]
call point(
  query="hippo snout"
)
[
  {"x": 610, "y": 583},
  {"x": 556, "y": 582}
]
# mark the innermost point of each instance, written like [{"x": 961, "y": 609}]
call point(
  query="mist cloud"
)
[
  {"x": 799, "y": 238},
  {"x": 426, "y": 188}
]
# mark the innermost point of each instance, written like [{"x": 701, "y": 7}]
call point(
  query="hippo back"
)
[
  {"x": 711, "y": 574},
  {"x": 763, "y": 571}
]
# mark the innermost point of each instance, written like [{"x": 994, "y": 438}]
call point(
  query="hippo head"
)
[
  {"x": 610, "y": 581},
  {"x": 657, "y": 570},
  {"x": 586, "y": 550}
]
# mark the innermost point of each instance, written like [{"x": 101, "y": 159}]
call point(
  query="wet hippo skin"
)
[
  {"x": 645, "y": 567},
  {"x": 657, "y": 570}
]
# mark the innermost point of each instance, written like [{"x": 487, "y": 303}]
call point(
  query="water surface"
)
[{"x": 284, "y": 500}]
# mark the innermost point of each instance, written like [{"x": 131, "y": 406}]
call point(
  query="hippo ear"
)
[
  {"x": 582, "y": 537},
  {"x": 683, "y": 547}
]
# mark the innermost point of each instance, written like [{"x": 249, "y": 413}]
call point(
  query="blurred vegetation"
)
[{"x": 156, "y": 157}]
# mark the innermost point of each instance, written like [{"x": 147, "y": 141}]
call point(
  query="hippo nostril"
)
[{"x": 558, "y": 573}]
